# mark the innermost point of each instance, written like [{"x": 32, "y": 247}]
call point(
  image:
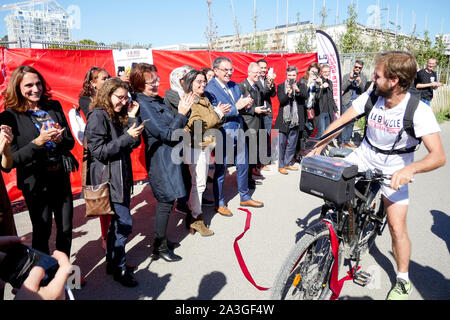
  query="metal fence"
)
[{"x": 27, "y": 43}]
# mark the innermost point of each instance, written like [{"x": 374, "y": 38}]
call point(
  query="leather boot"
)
[
  {"x": 125, "y": 277},
  {"x": 199, "y": 225},
  {"x": 161, "y": 250}
]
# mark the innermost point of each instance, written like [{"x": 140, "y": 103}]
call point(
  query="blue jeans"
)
[
  {"x": 322, "y": 125},
  {"x": 287, "y": 144},
  {"x": 238, "y": 155},
  {"x": 427, "y": 102},
  {"x": 346, "y": 134},
  {"x": 119, "y": 230}
]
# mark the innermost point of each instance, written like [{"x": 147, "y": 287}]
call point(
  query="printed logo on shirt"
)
[{"x": 379, "y": 122}]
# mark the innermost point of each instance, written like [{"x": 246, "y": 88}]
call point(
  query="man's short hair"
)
[
  {"x": 289, "y": 69},
  {"x": 399, "y": 64},
  {"x": 217, "y": 61},
  {"x": 359, "y": 62},
  {"x": 261, "y": 60}
]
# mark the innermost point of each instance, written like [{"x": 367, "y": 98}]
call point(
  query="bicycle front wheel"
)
[{"x": 305, "y": 274}]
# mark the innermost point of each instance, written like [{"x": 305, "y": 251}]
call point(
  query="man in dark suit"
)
[
  {"x": 222, "y": 89},
  {"x": 291, "y": 118},
  {"x": 253, "y": 118},
  {"x": 269, "y": 91}
]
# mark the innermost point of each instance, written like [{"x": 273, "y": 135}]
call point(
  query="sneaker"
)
[
  {"x": 400, "y": 291},
  {"x": 183, "y": 209}
]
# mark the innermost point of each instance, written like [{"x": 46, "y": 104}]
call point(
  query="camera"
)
[
  {"x": 19, "y": 261},
  {"x": 291, "y": 82},
  {"x": 356, "y": 75}
]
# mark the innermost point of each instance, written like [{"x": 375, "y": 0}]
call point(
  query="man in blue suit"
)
[{"x": 222, "y": 89}]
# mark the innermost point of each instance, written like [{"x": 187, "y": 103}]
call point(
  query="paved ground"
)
[{"x": 209, "y": 269}]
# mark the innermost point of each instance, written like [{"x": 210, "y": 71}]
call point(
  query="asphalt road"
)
[{"x": 209, "y": 269}]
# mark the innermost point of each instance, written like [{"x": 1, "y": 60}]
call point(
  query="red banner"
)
[{"x": 64, "y": 71}]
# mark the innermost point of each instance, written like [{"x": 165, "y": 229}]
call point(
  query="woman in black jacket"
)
[
  {"x": 42, "y": 140},
  {"x": 93, "y": 81},
  {"x": 291, "y": 118},
  {"x": 164, "y": 173},
  {"x": 111, "y": 134}
]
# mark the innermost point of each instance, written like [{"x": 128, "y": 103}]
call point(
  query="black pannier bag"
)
[{"x": 328, "y": 178}]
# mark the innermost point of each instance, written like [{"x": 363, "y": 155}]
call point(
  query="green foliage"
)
[
  {"x": 350, "y": 41},
  {"x": 426, "y": 51},
  {"x": 305, "y": 40},
  {"x": 442, "y": 116}
]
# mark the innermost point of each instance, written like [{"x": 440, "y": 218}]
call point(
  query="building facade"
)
[{"x": 34, "y": 23}]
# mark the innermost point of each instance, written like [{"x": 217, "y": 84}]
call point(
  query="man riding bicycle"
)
[{"x": 389, "y": 148}]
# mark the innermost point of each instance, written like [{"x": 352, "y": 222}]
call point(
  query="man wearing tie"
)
[
  {"x": 269, "y": 91},
  {"x": 252, "y": 116},
  {"x": 222, "y": 89}
]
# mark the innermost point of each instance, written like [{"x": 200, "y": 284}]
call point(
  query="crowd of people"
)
[{"x": 221, "y": 118}]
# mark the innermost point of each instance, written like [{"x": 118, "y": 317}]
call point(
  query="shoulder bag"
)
[{"x": 97, "y": 197}]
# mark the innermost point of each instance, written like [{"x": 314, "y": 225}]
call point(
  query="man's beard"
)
[{"x": 384, "y": 92}]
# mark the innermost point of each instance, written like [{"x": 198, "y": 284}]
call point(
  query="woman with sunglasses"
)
[
  {"x": 112, "y": 132},
  {"x": 203, "y": 116},
  {"x": 164, "y": 173}
]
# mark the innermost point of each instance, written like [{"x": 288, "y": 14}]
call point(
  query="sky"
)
[{"x": 168, "y": 22}]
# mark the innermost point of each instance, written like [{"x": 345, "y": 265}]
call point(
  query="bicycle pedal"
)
[
  {"x": 376, "y": 218},
  {"x": 362, "y": 278}
]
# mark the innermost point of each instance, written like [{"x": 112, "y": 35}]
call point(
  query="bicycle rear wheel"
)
[{"x": 305, "y": 274}]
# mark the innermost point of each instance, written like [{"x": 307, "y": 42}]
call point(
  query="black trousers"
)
[
  {"x": 163, "y": 210},
  {"x": 54, "y": 199}
]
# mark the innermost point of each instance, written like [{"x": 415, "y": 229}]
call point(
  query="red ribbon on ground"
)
[
  {"x": 238, "y": 253},
  {"x": 335, "y": 284}
]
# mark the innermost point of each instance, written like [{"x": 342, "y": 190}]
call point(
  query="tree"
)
[
  {"x": 211, "y": 29},
  {"x": 350, "y": 41},
  {"x": 305, "y": 40}
]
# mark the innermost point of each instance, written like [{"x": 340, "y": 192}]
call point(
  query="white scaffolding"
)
[{"x": 38, "y": 20}]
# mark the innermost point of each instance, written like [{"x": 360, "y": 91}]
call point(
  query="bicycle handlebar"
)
[{"x": 376, "y": 175}]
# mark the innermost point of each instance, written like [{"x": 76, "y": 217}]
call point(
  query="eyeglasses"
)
[
  {"x": 121, "y": 98},
  {"x": 154, "y": 83},
  {"x": 200, "y": 82},
  {"x": 357, "y": 67},
  {"x": 227, "y": 70}
]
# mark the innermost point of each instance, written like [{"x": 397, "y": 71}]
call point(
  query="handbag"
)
[{"x": 96, "y": 197}]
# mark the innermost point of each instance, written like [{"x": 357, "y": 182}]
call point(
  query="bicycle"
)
[{"x": 306, "y": 274}]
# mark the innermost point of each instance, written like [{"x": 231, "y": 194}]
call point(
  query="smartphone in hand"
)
[{"x": 19, "y": 261}]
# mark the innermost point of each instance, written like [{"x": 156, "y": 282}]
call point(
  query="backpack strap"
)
[
  {"x": 408, "y": 118},
  {"x": 373, "y": 98},
  {"x": 408, "y": 124}
]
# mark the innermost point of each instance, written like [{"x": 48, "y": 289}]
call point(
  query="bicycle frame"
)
[{"x": 350, "y": 219}]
